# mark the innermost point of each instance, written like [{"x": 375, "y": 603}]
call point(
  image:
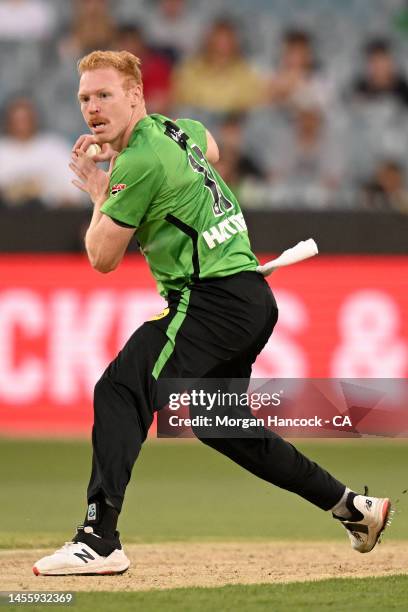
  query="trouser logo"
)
[
  {"x": 91, "y": 512},
  {"x": 161, "y": 315}
]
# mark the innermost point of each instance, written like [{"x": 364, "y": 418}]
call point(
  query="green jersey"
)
[{"x": 189, "y": 223}]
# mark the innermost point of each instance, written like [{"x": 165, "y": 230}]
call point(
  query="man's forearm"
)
[
  {"x": 105, "y": 241},
  {"x": 90, "y": 242}
]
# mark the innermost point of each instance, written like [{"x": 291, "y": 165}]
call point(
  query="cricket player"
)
[{"x": 161, "y": 187}]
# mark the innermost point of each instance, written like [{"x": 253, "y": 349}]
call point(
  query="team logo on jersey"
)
[
  {"x": 161, "y": 315},
  {"x": 116, "y": 188}
]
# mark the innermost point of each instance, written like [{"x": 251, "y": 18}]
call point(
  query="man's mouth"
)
[{"x": 97, "y": 125}]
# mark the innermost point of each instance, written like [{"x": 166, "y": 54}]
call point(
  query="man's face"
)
[
  {"x": 381, "y": 68},
  {"x": 106, "y": 105},
  {"x": 297, "y": 56},
  {"x": 21, "y": 122}
]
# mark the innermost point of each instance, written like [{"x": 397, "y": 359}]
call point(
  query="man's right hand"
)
[
  {"x": 91, "y": 179},
  {"x": 84, "y": 141}
]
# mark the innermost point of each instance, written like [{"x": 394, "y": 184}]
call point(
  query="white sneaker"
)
[
  {"x": 365, "y": 533},
  {"x": 76, "y": 558}
]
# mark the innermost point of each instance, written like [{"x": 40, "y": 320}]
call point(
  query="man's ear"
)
[{"x": 136, "y": 95}]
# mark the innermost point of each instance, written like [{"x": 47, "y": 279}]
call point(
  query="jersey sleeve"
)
[
  {"x": 196, "y": 131},
  {"x": 134, "y": 181}
]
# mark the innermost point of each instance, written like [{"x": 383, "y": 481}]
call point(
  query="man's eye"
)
[{"x": 104, "y": 94}]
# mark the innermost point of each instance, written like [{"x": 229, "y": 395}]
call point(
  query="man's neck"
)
[{"x": 122, "y": 142}]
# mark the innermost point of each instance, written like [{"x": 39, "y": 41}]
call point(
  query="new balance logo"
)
[
  {"x": 217, "y": 234},
  {"x": 84, "y": 555},
  {"x": 368, "y": 504}
]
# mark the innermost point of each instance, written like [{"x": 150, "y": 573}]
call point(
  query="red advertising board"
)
[{"x": 61, "y": 323}]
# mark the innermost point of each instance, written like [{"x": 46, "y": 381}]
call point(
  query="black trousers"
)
[{"x": 214, "y": 329}]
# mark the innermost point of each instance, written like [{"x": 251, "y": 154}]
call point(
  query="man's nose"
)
[{"x": 93, "y": 106}]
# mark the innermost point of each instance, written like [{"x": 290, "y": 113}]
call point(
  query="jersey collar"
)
[{"x": 139, "y": 126}]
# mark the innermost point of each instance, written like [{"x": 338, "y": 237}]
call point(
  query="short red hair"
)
[{"x": 124, "y": 62}]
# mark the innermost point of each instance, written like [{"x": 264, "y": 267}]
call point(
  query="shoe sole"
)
[
  {"x": 386, "y": 521},
  {"x": 103, "y": 572},
  {"x": 107, "y": 569},
  {"x": 384, "y": 518},
  {"x": 386, "y": 513}
]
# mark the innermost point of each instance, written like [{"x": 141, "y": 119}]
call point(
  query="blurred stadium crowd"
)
[{"x": 308, "y": 99}]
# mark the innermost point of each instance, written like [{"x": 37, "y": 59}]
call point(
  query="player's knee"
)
[{"x": 102, "y": 390}]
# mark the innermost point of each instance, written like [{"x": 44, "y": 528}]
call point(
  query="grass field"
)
[
  {"x": 184, "y": 492},
  {"x": 362, "y": 594}
]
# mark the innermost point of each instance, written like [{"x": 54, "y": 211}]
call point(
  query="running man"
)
[{"x": 162, "y": 188}]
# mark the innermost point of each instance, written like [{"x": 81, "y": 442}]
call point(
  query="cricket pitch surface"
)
[{"x": 192, "y": 564}]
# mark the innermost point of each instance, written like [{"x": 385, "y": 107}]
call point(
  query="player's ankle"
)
[
  {"x": 102, "y": 517},
  {"x": 345, "y": 510},
  {"x": 103, "y": 545}
]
